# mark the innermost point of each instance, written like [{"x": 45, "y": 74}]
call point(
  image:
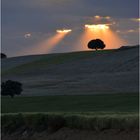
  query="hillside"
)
[{"x": 89, "y": 72}]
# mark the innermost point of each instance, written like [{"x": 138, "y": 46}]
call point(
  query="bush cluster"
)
[{"x": 51, "y": 122}]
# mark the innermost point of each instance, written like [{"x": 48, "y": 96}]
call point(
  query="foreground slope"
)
[{"x": 109, "y": 71}]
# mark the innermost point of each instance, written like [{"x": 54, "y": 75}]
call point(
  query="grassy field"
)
[
  {"x": 54, "y": 59},
  {"x": 96, "y": 112},
  {"x": 26, "y": 115},
  {"x": 109, "y": 103},
  {"x": 81, "y": 73},
  {"x": 51, "y": 113}
]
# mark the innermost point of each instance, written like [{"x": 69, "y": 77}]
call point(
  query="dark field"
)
[
  {"x": 76, "y": 73},
  {"x": 73, "y": 96},
  {"x": 118, "y": 103}
]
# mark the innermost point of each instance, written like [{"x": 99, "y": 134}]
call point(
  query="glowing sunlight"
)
[{"x": 101, "y": 31}]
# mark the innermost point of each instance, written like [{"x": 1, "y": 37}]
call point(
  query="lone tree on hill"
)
[
  {"x": 3, "y": 55},
  {"x": 11, "y": 88},
  {"x": 96, "y": 44}
]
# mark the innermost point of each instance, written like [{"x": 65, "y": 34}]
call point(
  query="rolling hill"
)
[{"x": 87, "y": 72}]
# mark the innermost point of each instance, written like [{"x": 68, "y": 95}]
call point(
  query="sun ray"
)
[
  {"x": 101, "y": 31},
  {"x": 47, "y": 45}
]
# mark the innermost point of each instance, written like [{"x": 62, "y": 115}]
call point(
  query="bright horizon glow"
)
[
  {"x": 64, "y": 31},
  {"x": 97, "y": 26},
  {"x": 99, "y": 31}
]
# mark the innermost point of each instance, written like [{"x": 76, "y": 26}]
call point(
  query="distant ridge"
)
[{"x": 128, "y": 47}]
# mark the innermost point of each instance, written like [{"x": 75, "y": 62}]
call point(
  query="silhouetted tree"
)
[
  {"x": 11, "y": 88},
  {"x": 96, "y": 44},
  {"x": 3, "y": 55}
]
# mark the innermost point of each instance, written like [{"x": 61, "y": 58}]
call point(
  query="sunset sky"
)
[{"x": 26, "y": 23}]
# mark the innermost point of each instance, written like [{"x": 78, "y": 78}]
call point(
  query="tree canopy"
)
[
  {"x": 3, "y": 55},
  {"x": 11, "y": 88},
  {"x": 96, "y": 44}
]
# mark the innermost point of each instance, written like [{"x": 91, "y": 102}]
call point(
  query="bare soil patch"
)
[{"x": 74, "y": 134}]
